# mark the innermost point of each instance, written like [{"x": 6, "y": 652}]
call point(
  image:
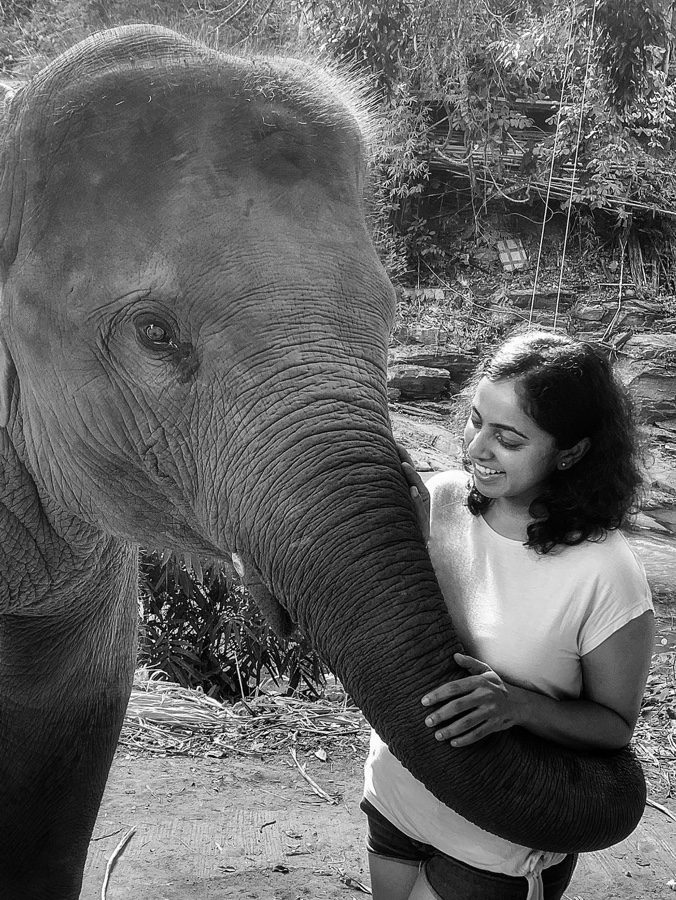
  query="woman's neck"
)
[{"x": 509, "y": 518}]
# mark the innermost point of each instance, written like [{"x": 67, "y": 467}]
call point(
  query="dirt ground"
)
[{"x": 250, "y": 826}]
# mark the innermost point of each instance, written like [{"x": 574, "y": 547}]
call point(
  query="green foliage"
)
[
  {"x": 203, "y": 630},
  {"x": 624, "y": 43},
  {"x": 459, "y": 73},
  {"x": 369, "y": 34}
]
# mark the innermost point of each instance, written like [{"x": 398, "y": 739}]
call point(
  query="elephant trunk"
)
[{"x": 336, "y": 541}]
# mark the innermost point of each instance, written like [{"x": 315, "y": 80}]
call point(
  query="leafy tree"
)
[
  {"x": 625, "y": 40},
  {"x": 202, "y": 629},
  {"x": 466, "y": 70}
]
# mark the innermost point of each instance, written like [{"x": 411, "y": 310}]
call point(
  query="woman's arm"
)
[{"x": 613, "y": 678}]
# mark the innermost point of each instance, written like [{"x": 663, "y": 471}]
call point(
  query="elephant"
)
[{"x": 193, "y": 347}]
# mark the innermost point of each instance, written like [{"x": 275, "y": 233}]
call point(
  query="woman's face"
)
[{"x": 511, "y": 456}]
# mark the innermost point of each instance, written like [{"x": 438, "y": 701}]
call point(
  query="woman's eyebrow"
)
[
  {"x": 501, "y": 426},
  {"x": 509, "y": 428}
]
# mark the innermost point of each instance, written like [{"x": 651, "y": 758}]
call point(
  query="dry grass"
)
[
  {"x": 165, "y": 719},
  {"x": 655, "y": 735}
]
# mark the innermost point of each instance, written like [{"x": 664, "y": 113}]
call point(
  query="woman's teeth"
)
[{"x": 484, "y": 470}]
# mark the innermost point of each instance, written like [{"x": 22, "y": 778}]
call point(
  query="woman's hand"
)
[
  {"x": 603, "y": 718},
  {"x": 482, "y": 700},
  {"x": 419, "y": 493}
]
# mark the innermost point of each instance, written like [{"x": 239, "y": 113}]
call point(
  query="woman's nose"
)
[{"x": 477, "y": 446}]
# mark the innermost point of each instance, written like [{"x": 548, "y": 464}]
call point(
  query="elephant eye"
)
[{"x": 154, "y": 333}]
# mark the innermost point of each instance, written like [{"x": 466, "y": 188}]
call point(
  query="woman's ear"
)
[
  {"x": 7, "y": 376},
  {"x": 566, "y": 459}
]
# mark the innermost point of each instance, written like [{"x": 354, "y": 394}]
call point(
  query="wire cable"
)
[{"x": 575, "y": 160}]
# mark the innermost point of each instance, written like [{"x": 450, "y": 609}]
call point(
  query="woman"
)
[{"x": 548, "y": 600}]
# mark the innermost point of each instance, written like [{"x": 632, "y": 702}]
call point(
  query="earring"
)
[{"x": 563, "y": 465}]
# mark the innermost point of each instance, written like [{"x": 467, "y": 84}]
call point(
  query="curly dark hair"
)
[{"x": 569, "y": 389}]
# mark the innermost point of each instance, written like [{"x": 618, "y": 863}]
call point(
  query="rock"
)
[
  {"x": 643, "y": 520},
  {"x": 438, "y": 295},
  {"x": 665, "y": 519},
  {"x": 459, "y": 363},
  {"x": 657, "y": 552},
  {"x": 593, "y": 311},
  {"x": 629, "y": 313},
  {"x": 638, "y": 314},
  {"x": 431, "y": 441},
  {"x": 418, "y": 382},
  {"x": 544, "y": 298},
  {"x": 659, "y": 442},
  {"x": 418, "y": 334},
  {"x": 647, "y": 365}
]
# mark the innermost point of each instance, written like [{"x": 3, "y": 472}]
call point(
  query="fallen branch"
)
[
  {"x": 113, "y": 859},
  {"x": 313, "y": 784},
  {"x": 656, "y": 805}
]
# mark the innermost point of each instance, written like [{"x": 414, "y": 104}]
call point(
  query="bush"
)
[{"x": 203, "y": 630}]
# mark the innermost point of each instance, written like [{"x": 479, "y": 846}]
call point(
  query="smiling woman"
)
[
  {"x": 545, "y": 594},
  {"x": 554, "y": 412},
  {"x": 511, "y": 456}
]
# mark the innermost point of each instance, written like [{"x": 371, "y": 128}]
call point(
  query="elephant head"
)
[{"x": 193, "y": 337}]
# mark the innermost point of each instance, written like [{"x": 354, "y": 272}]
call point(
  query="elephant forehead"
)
[{"x": 131, "y": 133}]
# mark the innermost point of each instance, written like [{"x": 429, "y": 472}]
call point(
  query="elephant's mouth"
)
[{"x": 273, "y": 611}]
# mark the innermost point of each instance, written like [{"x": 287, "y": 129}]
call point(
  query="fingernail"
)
[
  {"x": 415, "y": 493},
  {"x": 425, "y": 701},
  {"x": 429, "y": 721}
]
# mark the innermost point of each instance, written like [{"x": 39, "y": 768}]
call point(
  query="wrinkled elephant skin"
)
[{"x": 193, "y": 334}]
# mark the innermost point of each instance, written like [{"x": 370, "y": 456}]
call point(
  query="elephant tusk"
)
[{"x": 238, "y": 564}]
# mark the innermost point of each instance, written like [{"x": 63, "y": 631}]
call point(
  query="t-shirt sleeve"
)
[
  {"x": 619, "y": 593},
  {"x": 448, "y": 491}
]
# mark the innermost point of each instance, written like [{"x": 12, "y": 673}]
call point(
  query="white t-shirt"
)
[{"x": 530, "y": 617}]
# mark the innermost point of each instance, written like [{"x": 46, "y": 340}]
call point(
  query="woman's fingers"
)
[
  {"x": 473, "y": 707},
  {"x": 420, "y": 497},
  {"x": 410, "y": 471},
  {"x": 469, "y": 737},
  {"x": 414, "y": 480},
  {"x": 453, "y": 689},
  {"x": 472, "y": 723},
  {"x": 419, "y": 493},
  {"x": 473, "y": 666},
  {"x": 452, "y": 709},
  {"x": 404, "y": 455}
]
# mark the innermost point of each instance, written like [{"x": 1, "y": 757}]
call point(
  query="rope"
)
[
  {"x": 577, "y": 150},
  {"x": 569, "y": 54}
]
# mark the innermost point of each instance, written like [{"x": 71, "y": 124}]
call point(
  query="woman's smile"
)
[{"x": 485, "y": 473}]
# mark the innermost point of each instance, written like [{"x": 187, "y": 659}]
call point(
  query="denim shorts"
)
[{"x": 455, "y": 880}]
